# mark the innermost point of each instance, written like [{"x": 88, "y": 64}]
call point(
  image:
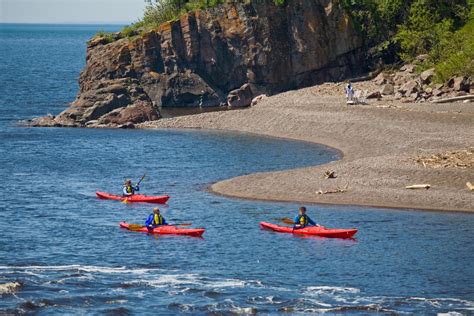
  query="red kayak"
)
[
  {"x": 161, "y": 199},
  {"x": 312, "y": 230},
  {"x": 167, "y": 230}
]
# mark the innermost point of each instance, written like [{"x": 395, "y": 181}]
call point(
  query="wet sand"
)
[{"x": 379, "y": 142}]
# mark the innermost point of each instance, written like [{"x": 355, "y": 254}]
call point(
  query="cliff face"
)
[{"x": 199, "y": 59}]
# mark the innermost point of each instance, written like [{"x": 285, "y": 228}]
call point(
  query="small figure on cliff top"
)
[
  {"x": 155, "y": 219},
  {"x": 129, "y": 189},
  {"x": 302, "y": 220}
]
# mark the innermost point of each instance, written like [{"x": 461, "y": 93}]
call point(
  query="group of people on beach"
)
[{"x": 155, "y": 219}]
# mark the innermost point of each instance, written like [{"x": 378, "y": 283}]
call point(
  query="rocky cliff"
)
[{"x": 222, "y": 56}]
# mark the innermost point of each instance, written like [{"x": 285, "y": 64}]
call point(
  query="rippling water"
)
[{"x": 61, "y": 250}]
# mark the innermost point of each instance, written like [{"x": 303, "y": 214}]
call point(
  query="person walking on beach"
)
[
  {"x": 155, "y": 219},
  {"x": 302, "y": 220},
  {"x": 129, "y": 189}
]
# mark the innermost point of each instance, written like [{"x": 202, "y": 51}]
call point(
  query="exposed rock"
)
[
  {"x": 109, "y": 102},
  {"x": 461, "y": 84},
  {"x": 381, "y": 78},
  {"x": 387, "y": 89},
  {"x": 197, "y": 60},
  {"x": 410, "y": 87},
  {"x": 241, "y": 97},
  {"x": 408, "y": 68},
  {"x": 422, "y": 58},
  {"x": 257, "y": 99},
  {"x": 374, "y": 95},
  {"x": 427, "y": 75}
]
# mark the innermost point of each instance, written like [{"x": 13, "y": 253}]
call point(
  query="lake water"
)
[{"x": 61, "y": 249}]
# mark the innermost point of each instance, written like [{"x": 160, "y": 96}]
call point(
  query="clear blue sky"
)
[{"x": 70, "y": 11}]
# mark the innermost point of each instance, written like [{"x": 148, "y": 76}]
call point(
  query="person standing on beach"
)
[
  {"x": 302, "y": 220},
  {"x": 349, "y": 92},
  {"x": 129, "y": 189}
]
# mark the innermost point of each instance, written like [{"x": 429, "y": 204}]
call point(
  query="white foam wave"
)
[
  {"x": 78, "y": 268},
  {"x": 9, "y": 288},
  {"x": 330, "y": 290}
]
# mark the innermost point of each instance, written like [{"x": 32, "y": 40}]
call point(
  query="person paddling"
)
[
  {"x": 129, "y": 189},
  {"x": 155, "y": 219},
  {"x": 302, "y": 220}
]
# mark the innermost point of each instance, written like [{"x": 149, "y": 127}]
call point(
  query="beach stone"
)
[
  {"x": 374, "y": 95},
  {"x": 241, "y": 97},
  {"x": 387, "y": 89},
  {"x": 408, "y": 68},
  {"x": 427, "y": 75},
  {"x": 257, "y": 99},
  {"x": 380, "y": 79},
  {"x": 410, "y": 87},
  {"x": 461, "y": 84}
]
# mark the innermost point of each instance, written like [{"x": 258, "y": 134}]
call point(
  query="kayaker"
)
[
  {"x": 129, "y": 189},
  {"x": 302, "y": 220},
  {"x": 155, "y": 219}
]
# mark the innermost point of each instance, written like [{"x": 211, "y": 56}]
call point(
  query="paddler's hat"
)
[{"x": 128, "y": 181}]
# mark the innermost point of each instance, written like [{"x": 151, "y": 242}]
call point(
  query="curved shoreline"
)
[{"x": 378, "y": 144}]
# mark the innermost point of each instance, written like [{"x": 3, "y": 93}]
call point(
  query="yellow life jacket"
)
[
  {"x": 157, "y": 219},
  {"x": 129, "y": 189},
  {"x": 303, "y": 220}
]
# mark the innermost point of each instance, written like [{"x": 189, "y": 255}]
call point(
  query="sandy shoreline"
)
[{"x": 379, "y": 142}]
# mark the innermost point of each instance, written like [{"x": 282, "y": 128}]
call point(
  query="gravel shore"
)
[{"x": 380, "y": 142}]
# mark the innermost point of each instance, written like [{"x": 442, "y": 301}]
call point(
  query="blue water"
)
[{"x": 62, "y": 251}]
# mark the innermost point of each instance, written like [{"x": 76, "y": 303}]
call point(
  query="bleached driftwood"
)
[
  {"x": 418, "y": 186},
  {"x": 470, "y": 186},
  {"x": 454, "y": 99},
  {"x": 336, "y": 190},
  {"x": 329, "y": 174}
]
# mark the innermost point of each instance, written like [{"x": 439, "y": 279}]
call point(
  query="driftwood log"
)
[
  {"x": 330, "y": 174},
  {"x": 418, "y": 186},
  {"x": 454, "y": 99},
  {"x": 470, "y": 186},
  {"x": 336, "y": 190}
]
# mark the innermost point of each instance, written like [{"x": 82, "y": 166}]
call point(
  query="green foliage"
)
[
  {"x": 279, "y": 2},
  {"x": 456, "y": 56},
  {"x": 429, "y": 27},
  {"x": 108, "y": 36}
]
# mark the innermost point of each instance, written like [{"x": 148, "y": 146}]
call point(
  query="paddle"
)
[
  {"x": 141, "y": 179},
  {"x": 136, "y": 227},
  {"x": 287, "y": 220}
]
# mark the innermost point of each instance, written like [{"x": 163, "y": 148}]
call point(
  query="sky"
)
[{"x": 71, "y": 11}]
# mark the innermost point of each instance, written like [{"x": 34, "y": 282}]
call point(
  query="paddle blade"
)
[
  {"x": 287, "y": 220},
  {"x": 125, "y": 201},
  {"x": 135, "y": 226}
]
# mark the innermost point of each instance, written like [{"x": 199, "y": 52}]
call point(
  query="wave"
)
[{"x": 79, "y": 268}]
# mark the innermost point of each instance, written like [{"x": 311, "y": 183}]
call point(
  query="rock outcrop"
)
[
  {"x": 408, "y": 86},
  {"x": 199, "y": 59}
]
